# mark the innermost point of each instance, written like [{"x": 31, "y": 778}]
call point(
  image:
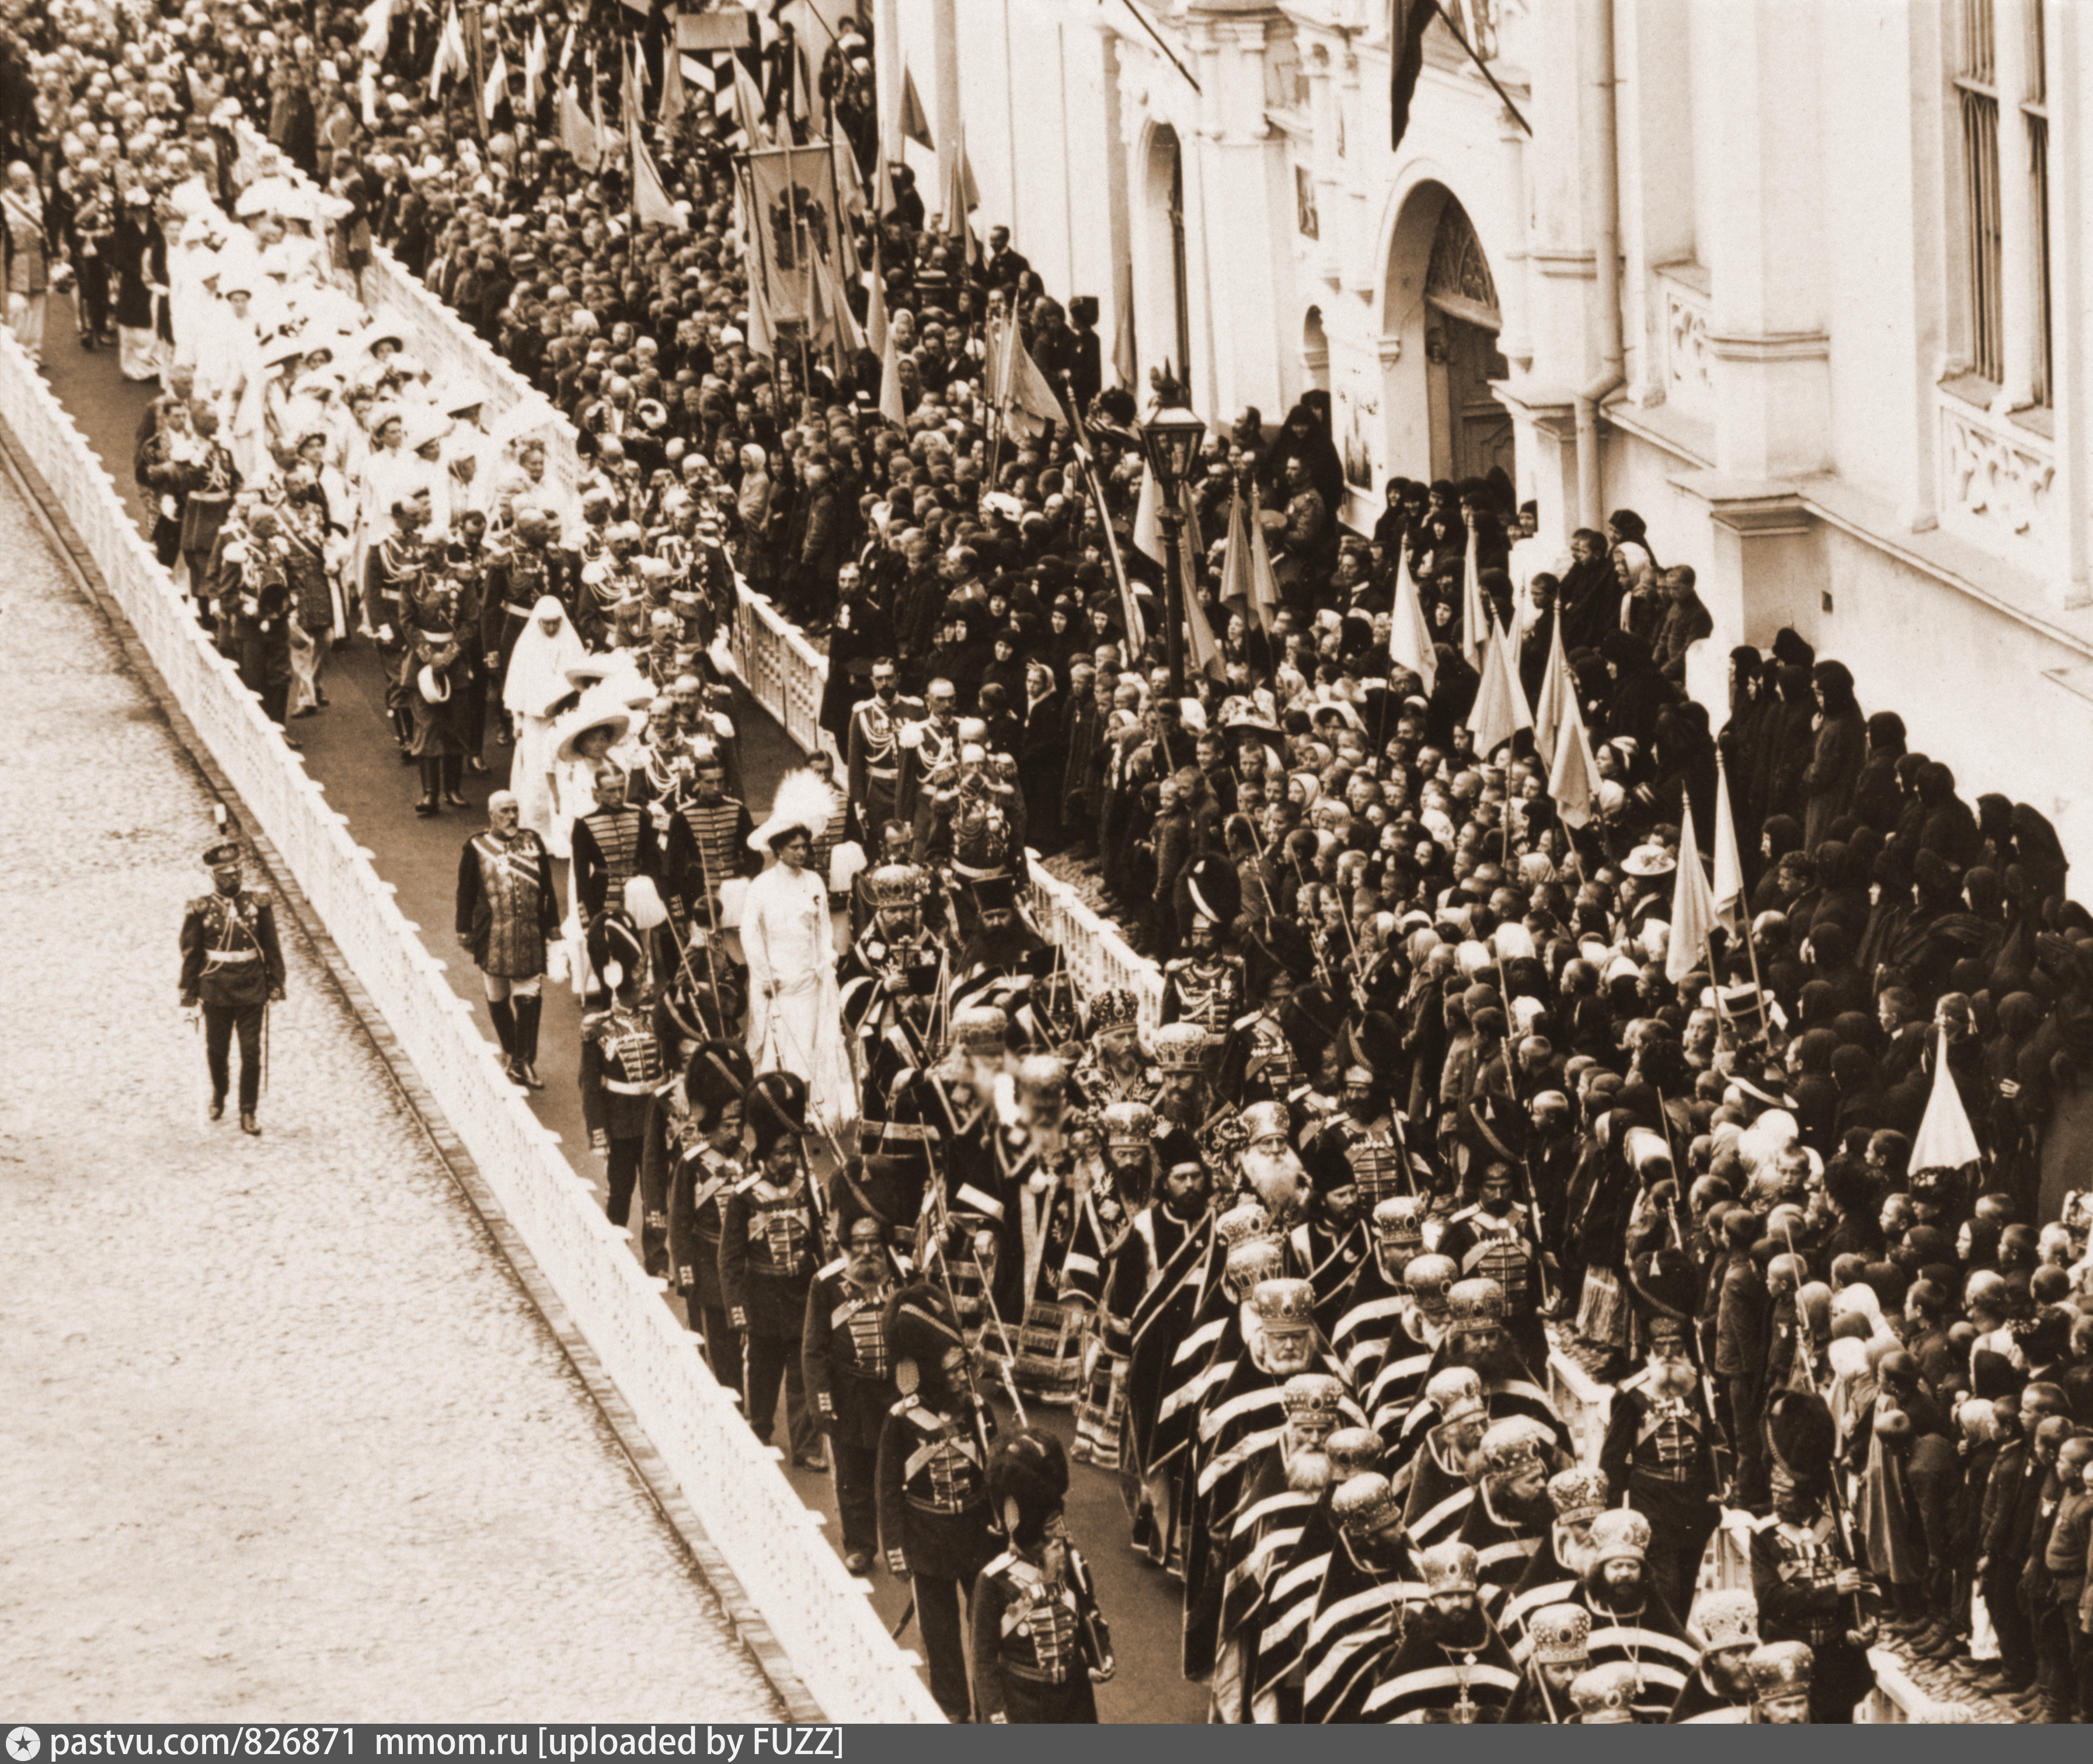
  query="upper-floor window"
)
[
  {"x": 2000, "y": 83},
  {"x": 1977, "y": 92}
]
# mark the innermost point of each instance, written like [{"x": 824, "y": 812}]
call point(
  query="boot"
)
[
  {"x": 453, "y": 767},
  {"x": 432, "y": 782},
  {"x": 528, "y": 1011},
  {"x": 503, "y": 1014}
]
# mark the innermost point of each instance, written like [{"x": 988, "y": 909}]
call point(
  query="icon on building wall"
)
[{"x": 1304, "y": 203}]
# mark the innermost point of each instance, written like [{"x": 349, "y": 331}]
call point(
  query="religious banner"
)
[{"x": 793, "y": 221}]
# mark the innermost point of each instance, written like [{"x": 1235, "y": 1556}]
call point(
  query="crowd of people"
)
[{"x": 1432, "y": 1092}]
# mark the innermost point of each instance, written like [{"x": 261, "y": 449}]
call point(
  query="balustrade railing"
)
[{"x": 818, "y": 1612}]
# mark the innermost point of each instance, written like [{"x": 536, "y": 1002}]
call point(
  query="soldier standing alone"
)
[{"x": 233, "y": 966}]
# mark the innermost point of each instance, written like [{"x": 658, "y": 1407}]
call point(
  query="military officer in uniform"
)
[
  {"x": 1205, "y": 985},
  {"x": 1258, "y": 1063},
  {"x": 1659, "y": 1457},
  {"x": 770, "y": 1237},
  {"x": 708, "y": 843},
  {"x": 937, "y": 1523},
  {"x": 873, "y": 756},
  {"x": 849, "y": 1372},
  {"x": 507, "y": 916},
  {"x": 703, "y": 1144},
  {"x": 1039, "y": 1640},
  {"x": 1494, "y": 1238},
  {"x": 622, "y": 1057},
  {"x": 926, "y": 747},
  {"x": 233, "y": 966},
  {"x": 1809, "y": 1590}
]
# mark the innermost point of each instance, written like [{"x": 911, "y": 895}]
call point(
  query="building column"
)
[
  {"x": 886, "y": 64},
  {"x": 1766, "y": 330},
  {"x": 1514, "y": 297},
  {"x": 1240, "y": 165},
  {"x": 1546, "y": 422},
  {"x": 948, "y": 120},
  {"x": 1765, "y": 570},
  {"x": 1115, "y": 301}
]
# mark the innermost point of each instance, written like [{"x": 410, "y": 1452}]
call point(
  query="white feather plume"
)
[
  {"x": 846, "y": 863},
  {"x": 804, "y": 799}
]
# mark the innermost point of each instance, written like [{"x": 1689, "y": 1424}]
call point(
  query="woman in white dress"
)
[
  {"x": 545, "y": 648},
  {"x": 795, "y": 1013}
]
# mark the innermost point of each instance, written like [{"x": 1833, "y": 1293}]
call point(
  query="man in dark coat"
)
[
  {"x": 768, "y": 1241},
  {"x": 849, "y": 1371},
  {"x": 937, "y": 1524},
  {"x": 861, "y": 635},
  {"x": 1042, "y": 757},
  {"x": 232, "y": 967}
]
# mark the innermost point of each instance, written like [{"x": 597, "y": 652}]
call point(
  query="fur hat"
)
[
  {"x": 920, "y": 1328},
  {"x": 1215, "y": 889},
  {"x": 1801, "y": 1436},
  {"x": 615, "y": 948},
  {"x": 719, "y": 1073},
  {"x": 1028, "y": 1478},
  {"x": 776, "y": 1105}
]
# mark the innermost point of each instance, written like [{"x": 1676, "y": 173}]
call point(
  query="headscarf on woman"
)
[{"x": 537, "y": 668}]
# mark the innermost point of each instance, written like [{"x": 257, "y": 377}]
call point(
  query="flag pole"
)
[
  {"x": 842, "y": 222},
  {"x": 1085, "y": 459},
  {"x": 1745, "y": 911}
]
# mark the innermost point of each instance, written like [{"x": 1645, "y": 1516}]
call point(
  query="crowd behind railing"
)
[{"x": 1750, "y": 1056}]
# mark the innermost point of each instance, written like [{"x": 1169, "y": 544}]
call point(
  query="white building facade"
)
[{"x": 1803, "y": 283}]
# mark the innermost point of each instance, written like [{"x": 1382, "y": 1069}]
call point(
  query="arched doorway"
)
[
  {"x": 1439, "y": 348},
  {"x": 1166, "y": 284}
]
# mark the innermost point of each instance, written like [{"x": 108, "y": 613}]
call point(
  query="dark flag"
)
[{"x": 1408, "y": 22}]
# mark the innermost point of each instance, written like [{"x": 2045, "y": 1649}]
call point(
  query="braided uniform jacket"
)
[{"x": 627, "y": 1064}]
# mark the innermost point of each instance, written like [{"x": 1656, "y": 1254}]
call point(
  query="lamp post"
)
[{"x": 1170, "y": 440}]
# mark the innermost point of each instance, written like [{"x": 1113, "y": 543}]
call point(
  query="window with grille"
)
[{"x": 1977, "y": 97}]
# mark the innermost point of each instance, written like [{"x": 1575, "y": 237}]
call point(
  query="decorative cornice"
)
[
  {"x": 1770, "y": 346},
  {"x": 1578, "y": 265},
  {"x": 1759, "y": 507}
]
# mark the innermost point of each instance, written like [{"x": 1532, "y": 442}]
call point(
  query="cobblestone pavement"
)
[{"x": 284, "y": 1436}]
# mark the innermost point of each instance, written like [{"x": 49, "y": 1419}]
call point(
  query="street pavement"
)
[
  {"x": 284, "y": 1436},
  {"x": 347, "y": 746}
]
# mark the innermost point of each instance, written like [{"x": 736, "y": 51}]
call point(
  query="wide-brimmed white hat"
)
[{"x": 594, "y": 712}]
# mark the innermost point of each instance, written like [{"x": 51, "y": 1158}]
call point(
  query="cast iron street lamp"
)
[{"x": 1170, "y": 439}]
